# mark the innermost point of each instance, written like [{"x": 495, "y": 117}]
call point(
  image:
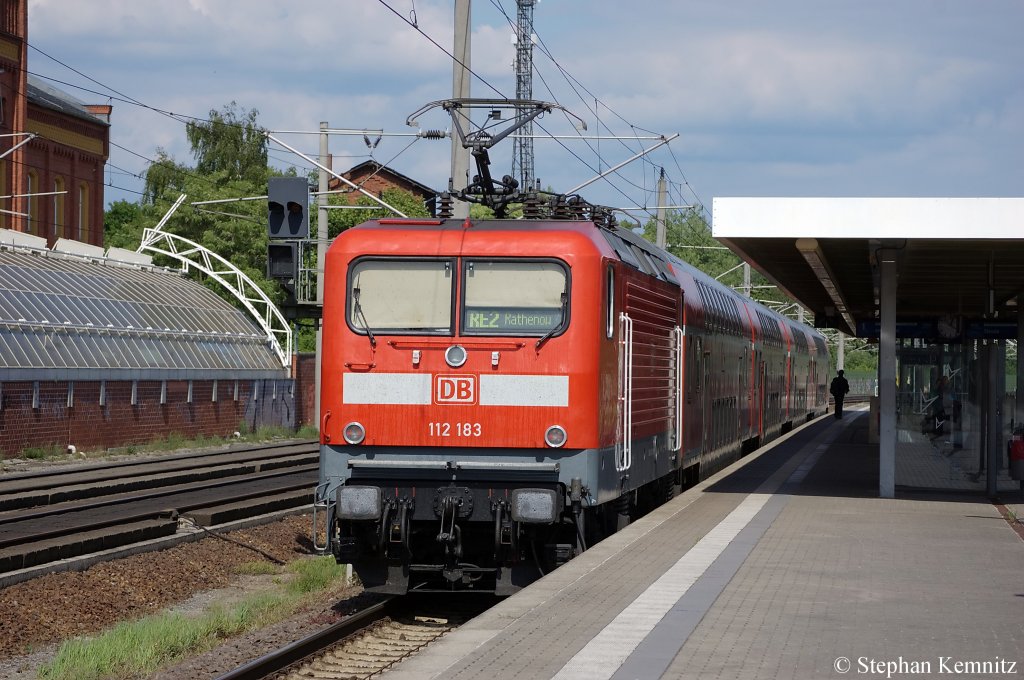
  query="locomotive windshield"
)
[
  {"x": 508, "y": 297},
  {"x": 401, "y": 296}
]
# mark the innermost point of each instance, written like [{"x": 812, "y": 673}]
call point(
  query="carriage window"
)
[
  {"x": 514, "y": 297},
  {"x": 407, "y": 296}
]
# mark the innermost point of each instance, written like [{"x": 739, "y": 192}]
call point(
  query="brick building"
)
[
  {"x": 100, "y": 352},
  {"x": 376, "y": 178},
  {"x": 53, "y": 184}
]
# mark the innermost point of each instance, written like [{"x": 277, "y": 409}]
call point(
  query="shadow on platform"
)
[{"x": 848, "y": 468}]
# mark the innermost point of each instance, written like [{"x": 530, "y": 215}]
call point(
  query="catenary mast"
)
[{"x": 522, "y": 154}]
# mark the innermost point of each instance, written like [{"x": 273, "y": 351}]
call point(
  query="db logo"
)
[{"x": 455, "y": 389}]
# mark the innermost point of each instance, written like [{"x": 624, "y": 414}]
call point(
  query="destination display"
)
[{"x": 512, "y": 319}]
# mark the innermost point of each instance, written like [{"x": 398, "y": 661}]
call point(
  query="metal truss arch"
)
[{"x": 235, "y": 281}]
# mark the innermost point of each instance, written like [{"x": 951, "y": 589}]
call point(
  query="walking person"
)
[{"x": 840, "y": 386}]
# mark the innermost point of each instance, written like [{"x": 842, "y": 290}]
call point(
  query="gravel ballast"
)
[{"x": 39, "y": 614}]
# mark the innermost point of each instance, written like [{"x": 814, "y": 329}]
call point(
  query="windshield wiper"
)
[
  {"x": 358, "y": 309},
  {"x": 547, "y": 336}
]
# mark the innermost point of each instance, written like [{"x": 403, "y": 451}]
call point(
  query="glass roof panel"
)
[
  {"x": 11, "y": 348},
  {"x": 85, "y": 308}
]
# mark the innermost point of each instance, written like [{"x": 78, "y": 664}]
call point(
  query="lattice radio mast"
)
[{"x": 522, "y": 153}]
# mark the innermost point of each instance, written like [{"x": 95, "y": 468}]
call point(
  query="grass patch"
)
[
  {"x": 139, "y": 648},
  {"x": 313, "y": 576},
  {"x": 175, "y": 440},
  {"x": 43, "y": 452},
  {"x": 257, "y": 568},
  {"x": 308, "y": 432}
]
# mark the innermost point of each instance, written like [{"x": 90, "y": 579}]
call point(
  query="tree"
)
[
  {"x": 230, "y": 144},
  {"x": 367, "y": 209},
  {"x": 122, "y": 225},
  {"x": 688, "y": 237},
  {"x": 231, "y": 162}
]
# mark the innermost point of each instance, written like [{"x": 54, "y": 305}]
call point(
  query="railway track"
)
[
  {"x": 365, "y": 643},
  {"x": 52, "y": 516}
]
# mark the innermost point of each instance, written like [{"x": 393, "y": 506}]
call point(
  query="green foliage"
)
[
  {"x": 257, "y": 568},
  {"x": 164, "y": 178},
  {"x": 340, "y": 220},
  {"x": 230, "y": 144},
  {"x": 231, "y": 162},
  {"x": 858, "y": 357},
  {"x": 123, "y": 224},
  {"x": 688, "y": 237},
  {"x": 308, "y": 432},
  {"x": 43, "y": 452},
  {"x": 139, "y": 648},
  {"x": 514, "y": 211},
  {"x": 314, "y": 575}
]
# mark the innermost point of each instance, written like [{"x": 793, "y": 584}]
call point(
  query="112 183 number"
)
[{"x": 440, "y": 429}]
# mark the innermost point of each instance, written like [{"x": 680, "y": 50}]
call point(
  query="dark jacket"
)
[{"x": 840, "y": 386}]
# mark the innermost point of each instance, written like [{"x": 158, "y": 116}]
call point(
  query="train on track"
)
[{"x": 499, "y": 394}]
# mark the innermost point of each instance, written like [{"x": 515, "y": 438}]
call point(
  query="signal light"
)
[
  {"x": 282, "y": 261},
  {"x": 287, "y": 208}
]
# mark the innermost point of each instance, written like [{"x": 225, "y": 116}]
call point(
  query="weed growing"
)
[{"x": 139, "y": 648}]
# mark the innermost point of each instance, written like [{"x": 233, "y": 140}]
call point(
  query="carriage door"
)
[
  {"x": 762, "y": 379},
  {"x": 624, "y": 444},
  {"x": 678, "y": 359},
  {"x": 704, "y": 390}
]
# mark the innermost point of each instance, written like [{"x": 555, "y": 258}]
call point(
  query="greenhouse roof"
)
[{"x": 71, "y": 317}]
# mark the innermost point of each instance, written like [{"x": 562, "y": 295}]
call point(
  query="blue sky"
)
[{"x": 790, "y": 98}]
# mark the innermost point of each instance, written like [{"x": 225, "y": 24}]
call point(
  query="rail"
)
[
  {"x": 300, "y": 649},
  {"x": 71, "y": 514}
]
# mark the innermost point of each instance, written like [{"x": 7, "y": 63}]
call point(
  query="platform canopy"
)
[{"x": 960, "y": 261}]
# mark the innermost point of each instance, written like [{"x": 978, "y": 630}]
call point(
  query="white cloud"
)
[{"x": 872, "y": 97}]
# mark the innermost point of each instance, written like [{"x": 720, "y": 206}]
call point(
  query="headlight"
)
[
  {"x": 455, "y": 355},
  {"x": 359, "y": 502},
  {"x": 354, "y": 433},
  {"x": 536, "y": 506},
  {"x": 555, "y": 436}
]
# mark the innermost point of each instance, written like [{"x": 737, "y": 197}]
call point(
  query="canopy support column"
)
[{"x": 886, "y": 377}]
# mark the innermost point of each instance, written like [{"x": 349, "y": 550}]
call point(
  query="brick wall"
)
[
  {"x": 88, "y": 425},
  {"x": 304, "y": 368}
]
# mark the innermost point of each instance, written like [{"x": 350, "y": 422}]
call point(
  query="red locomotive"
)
[{"x": 498, "y": 394}]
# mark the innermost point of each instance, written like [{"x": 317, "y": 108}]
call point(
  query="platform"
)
[{"x": 787, "y": 564}]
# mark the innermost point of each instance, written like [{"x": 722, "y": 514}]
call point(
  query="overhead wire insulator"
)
[
  {"x": 559, "y": 209},
  {"x": 446, "y": 206},
  {"x": 531, "y": 207},
  {"x": 433, "y": 134}
]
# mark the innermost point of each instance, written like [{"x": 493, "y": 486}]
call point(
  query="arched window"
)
[
  {"x": 59, "y": 219},
  {"x": 83, "y": 211},
  {"x": 31, "y": 188}
]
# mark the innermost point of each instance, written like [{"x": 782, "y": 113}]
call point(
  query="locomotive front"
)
[{"x": 461, "y": 432}]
